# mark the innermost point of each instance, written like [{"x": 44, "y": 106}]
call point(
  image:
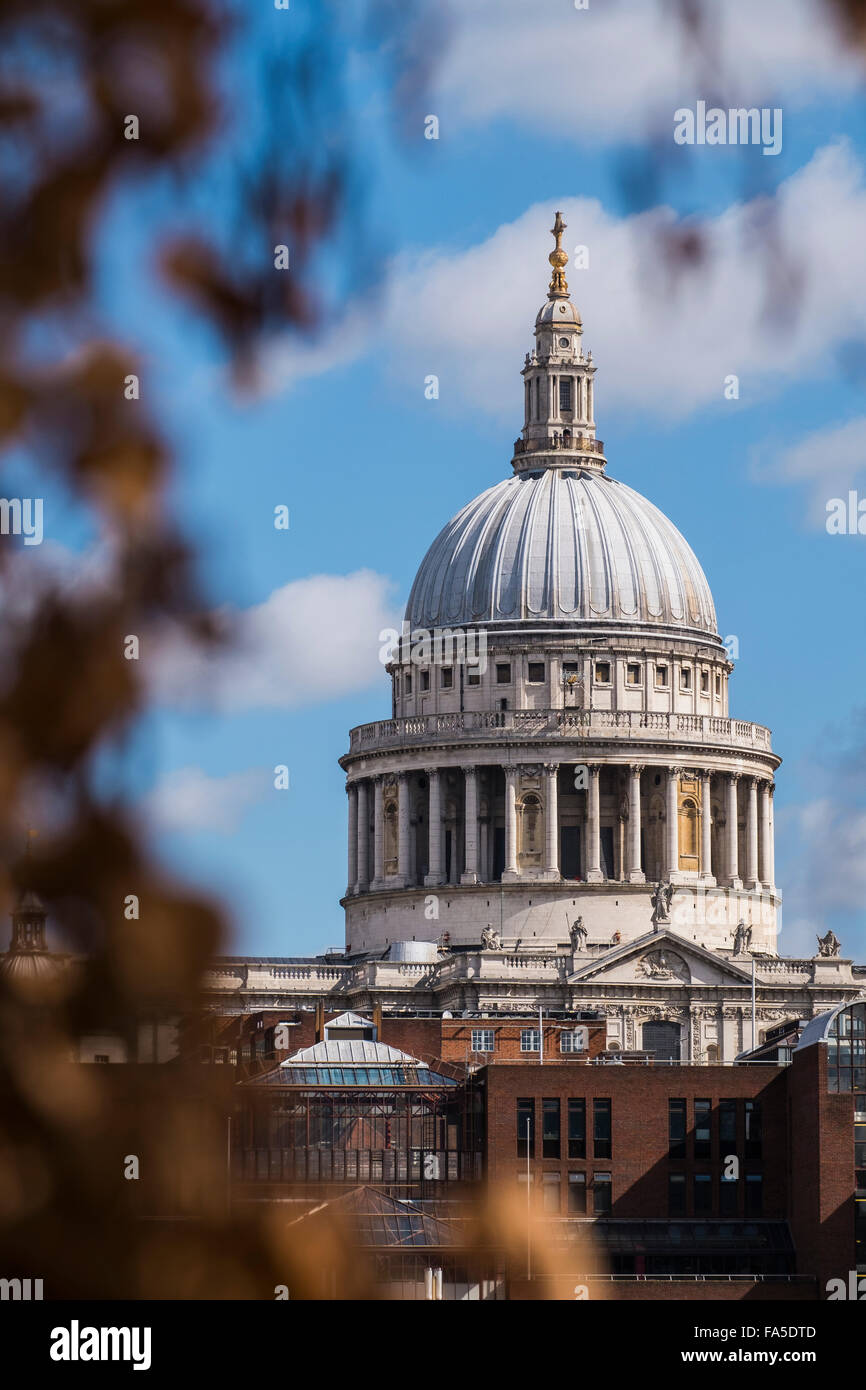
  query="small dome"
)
[
  {"x": 558, "y": 311},
  {"x": 562, "y": 546}
]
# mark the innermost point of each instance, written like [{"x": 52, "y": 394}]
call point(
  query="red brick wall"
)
[
  {"x": 822, "y": 1170},
  {"x": 639, "y": 1105}
]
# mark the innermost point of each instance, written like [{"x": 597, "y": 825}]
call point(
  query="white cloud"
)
[
  {"x": 828, "y": 462},
  {"x": 313, "y": 639},
  {"x": 663, "y": 344},
  {"x": 188, "y": 800},
  {"x": 772, "y": 293},
  {"x": 618, "y": 71}
]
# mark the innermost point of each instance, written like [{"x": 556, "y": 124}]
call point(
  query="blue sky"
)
[{"x": 343, "y": 435}]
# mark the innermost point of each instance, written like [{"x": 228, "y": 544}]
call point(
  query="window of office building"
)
[
  {"x": 728, "y": 1200},
  {"x": 550, "y": 1194},
  {"x": 577, "y": 1194},
  {"x": 601, "y": 1129},
  {"x": 676, "y": 1194},
  {"x": 577, "y": 1128},
  {"x": 483, "y": 1040},
  {"x": 754, "y": 1194},
  {"x": 530, "y": 1039},
  {"x": 676, "y": 1129},
  {"x": 703, "y": 1194},
  {"x": 550, "y": 1128},
  {"x": 703, "y": 1133},
  {"x": 525, "y": 1128},
  {"x": 601, "y": 1194},
  {"x": 753, "y": 1129}
]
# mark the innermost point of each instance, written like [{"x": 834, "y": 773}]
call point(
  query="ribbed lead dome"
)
[{"x": 562, "y": 546}]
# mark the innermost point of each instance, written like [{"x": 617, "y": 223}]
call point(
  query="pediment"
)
[{"x": 660, "y": 958}]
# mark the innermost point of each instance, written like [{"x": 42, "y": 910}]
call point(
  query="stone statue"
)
[
  {"x": 829, "y": 945},
  {"x": 661, "y": 900},
  {"x": 742, "y": 939},
  {"x": 490, "y": 939},
  {"x": 578, "y": 934}
]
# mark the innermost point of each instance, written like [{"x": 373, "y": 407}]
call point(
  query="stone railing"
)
[
  {"x": 561, "y": 442},
  {"x": 496, "y": 726}
]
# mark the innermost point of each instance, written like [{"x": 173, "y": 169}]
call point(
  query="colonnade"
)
[{"x": 753, "y": 869}]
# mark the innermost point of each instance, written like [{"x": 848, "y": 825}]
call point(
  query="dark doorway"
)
[
  {"x": 569, "y": 851},
  {"x": 606, "y": 838},
  {"x": 498, "y": 851},
  {"x": 663, "y": 1039}
]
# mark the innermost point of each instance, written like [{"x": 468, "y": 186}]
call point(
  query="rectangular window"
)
[
  {"x": 503, "y": 673},
  {"x": 754, "y": 1138},
  {"x": 602, "y": 672},
  {"x": 570, "y": 672},
  {"x": 446, "y": 678},
  {"x": 536, "y": 672},
  {"x": 685, "y": 678},
  {"x": 718, "y": 686},
  {"x": 529, "y": 1039},
  {"x": 525, "y": 1127},
  {"x": 601, "y": 1194},
  {"x": 577, "y": 1194},
  {"x": 483, "y": 1040},
  {"x": 705, "y": 682},
  {"x": 473, "y": 677},
  {"x": 728, "y": 1204},
  {"x": 661, "y": 675},
  {"x": 632, "y": 673},
  {"x": 550, "y": 1194},
  {"x": 676, "y": 1194},
  {"x": 407, "y": 683},
  {"x": 565, "y": 393},
  {"x": 577, "y": 1129},
  {"x": 601, "y": 1129},
  {"x": 425, "y": 680},
  {"x": 727, "y": 1128},
  {"x": 703, "y": 1194},
  {"x": 703, "y": 1131},
  {"x": 575, "y": 1041},
  {"x": 676, "y": 1129},
  {"x": 754, "y": 1194},
  {"x": 550, "y": 1130}
]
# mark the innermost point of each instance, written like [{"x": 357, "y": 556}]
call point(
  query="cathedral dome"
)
[{"x": 562, "y": 546}]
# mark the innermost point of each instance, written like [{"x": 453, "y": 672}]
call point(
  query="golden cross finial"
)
[{"x": 558, "y": 258}]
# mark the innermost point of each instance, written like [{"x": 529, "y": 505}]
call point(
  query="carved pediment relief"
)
[{"x": 662, "y": 965}]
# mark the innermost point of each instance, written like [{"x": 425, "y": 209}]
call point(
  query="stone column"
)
[
  {"x": 732, "y": 816},
  {"x": 352, "y": 793},
  {"x": 769, "y": 857},
  {"x": 551, "y": 822},
  {"x": 470, "y": 874},
  {"x": 378, "y": 831},
  {"x": 752, "y": 880},
  {"x": 433, "y": 877},
  {"x": 510, "y": 871},
  {"x": 363, "y": 880},
  {"x": 403, "y": 828},
  {"x": 593, "y": 828},
  {"x": 706, "y": 831},
  {"x": 635, "y": 872},
  {"x": 672, "y": 815}
]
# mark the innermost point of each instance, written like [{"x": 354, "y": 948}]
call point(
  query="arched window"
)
[
  {"x": 531, "y": 832},
  {"x": 662, "y": 1038},
  {"x": 390, "y": 837},
  {"x": 689, "y": 834}
]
